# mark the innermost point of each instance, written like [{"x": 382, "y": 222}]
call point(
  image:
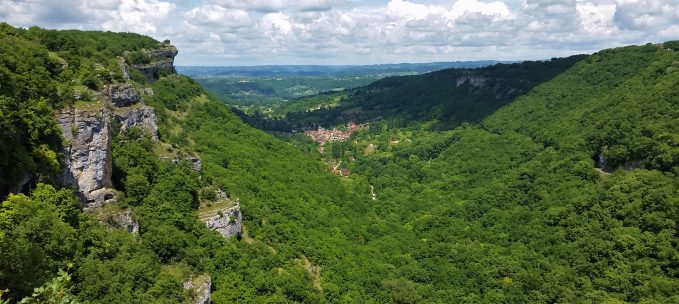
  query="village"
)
[{"x": 322, "y": 135}]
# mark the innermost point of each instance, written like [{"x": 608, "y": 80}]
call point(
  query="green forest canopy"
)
[{"x": 507, "y": 208}]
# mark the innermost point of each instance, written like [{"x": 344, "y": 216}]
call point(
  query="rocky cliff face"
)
[
  {"x": 143, "y": 117},
  {"x": 121, "y": 95},
  {"x": 600, "y": 162},
  {"x": 199, "y": 289},
  {"x": 88, "y": 134},
  {"x": 162, "y": 58},
  {"x": 474, "y": 81},
  {"x": 120, "y": 219},
  {"x": 87, "y": 153},
  {"x": 193, "y": 161},
  {"x": 225, "y": 219}
]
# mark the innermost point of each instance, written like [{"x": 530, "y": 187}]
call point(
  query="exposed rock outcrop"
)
[
  {"x": 88, "y": 134},
  {"x": 195, "y": 163},
  {"x": 87, "y": 153},
  {"x": 161, "y": 58},
  {"x": 167, "y": 51},
  {"x": 123, "y": 219},
  {"x": 23, "y": 183},
  {"x": 124, "y": 68},
  {"x": 121, "y": 95},
  {"x": 630, "y": 164},
  {"x": 224, "y": 218},
  {"x": 143, "y": 117},
  {"x": 600, "y": 160},
  {"x": 474, "y": 81},
  {"x": 199, "y": 289}
]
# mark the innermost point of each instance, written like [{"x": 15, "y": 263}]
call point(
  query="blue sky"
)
[{"x": 254, "y": 32}]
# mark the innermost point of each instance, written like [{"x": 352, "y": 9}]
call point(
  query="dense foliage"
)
[
  {"x": 28, "y": 88},
  {"x": 448, "y": 96},
  {"x": 45, "y": 69},
  {"x": 619, "y": 103},
  {"x": 491, "y": 197},
  {"x": 261, "y": 93},
  {"x": 513, "y": 210}
]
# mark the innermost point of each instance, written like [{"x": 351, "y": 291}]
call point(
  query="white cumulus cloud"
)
[{"x": 352, "y": 31}]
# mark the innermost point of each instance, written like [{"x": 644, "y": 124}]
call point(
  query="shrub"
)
[{"x": 138, "y": 57}]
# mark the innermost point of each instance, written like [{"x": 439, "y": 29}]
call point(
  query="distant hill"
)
[
  {"x": 536, "y": 182},
  {"x": 259, "y": 88},
  {"x": 325, "y": 70},
  {"x": 450, "y": 96},
  {"x": 545, "y": 182}
]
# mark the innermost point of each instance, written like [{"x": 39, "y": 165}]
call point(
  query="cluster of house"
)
[{"x": 323, "y": 135}]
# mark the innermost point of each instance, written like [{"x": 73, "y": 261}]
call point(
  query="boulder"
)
[
  {"x": 194, "y": 161},
  {"x": 120, "y": 219}
]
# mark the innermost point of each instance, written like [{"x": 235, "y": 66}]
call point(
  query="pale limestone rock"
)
[
  {"x": 124, "y": 68},
  {"x": 161, "y": 58},
  {"x": 474, "y": 81},
  {"x": 199, "y": 289},
  {"x": 228, "y": 221},
  {"x": 87, "y": 153},
  {"x": 194, "y": 161},
  {"x": 143, "y": 117},
  {"x": 120, "y": 219},
  {"x": 121, "y": 95}
]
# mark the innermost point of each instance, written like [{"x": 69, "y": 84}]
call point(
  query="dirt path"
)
[{"x": 334, "y": 169}]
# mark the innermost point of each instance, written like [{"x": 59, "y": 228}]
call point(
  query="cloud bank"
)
[{"x": 250, "y": 32}]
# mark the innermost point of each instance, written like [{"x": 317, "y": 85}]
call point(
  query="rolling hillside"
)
[{"x": 539, "y": 182}]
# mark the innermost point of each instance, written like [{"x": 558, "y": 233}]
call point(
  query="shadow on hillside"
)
[{"x": 449, "y": 97}]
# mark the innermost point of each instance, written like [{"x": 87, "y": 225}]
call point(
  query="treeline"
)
[
  {"x": 514, "y": 209},
  {"x": 450, "y": 97},
  {"x": 503, "y": 206}
]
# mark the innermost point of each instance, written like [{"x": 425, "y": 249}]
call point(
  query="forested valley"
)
[{"x": 537, "y": 182}]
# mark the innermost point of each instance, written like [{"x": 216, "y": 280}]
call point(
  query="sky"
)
[{"x": 259, "y": 32}]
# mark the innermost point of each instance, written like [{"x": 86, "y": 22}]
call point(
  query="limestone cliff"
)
[
  {"x": 474, "y": 81},
  {"x": 142, "y": 117},
  {"x": 121, "y": 95},
  {"x": 88, "y": 133},
  {"x": 224, "y": 217},
  {"x": 199, "y": 289},
  {"x": 161, "y": 58},
  {"x": 87, "y": 153},
  {"x": 193, "y": 161},
  {"x": 602, "y": 163},
  {"x": 119, "y": 219}
]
